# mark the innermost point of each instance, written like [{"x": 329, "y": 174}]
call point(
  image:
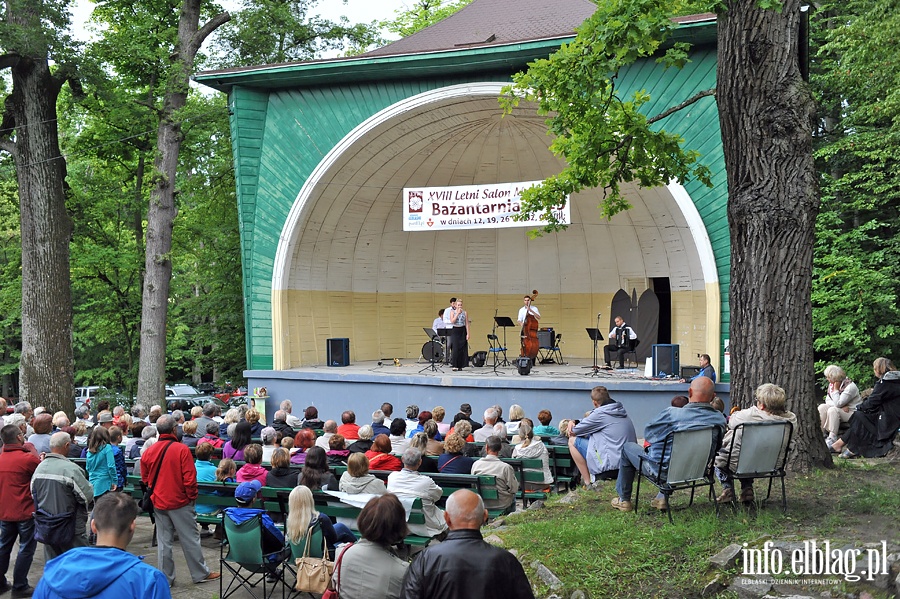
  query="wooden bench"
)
[{"x": 562, "y": 466}]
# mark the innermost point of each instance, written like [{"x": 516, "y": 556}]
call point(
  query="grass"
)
[{"x": 592, "y": 547}]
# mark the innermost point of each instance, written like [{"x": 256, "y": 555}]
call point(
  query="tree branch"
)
[
  {"x": 685, "y": 104},
  {"x": 9, "y": 60},
  {"x": 208, "y": 27}
]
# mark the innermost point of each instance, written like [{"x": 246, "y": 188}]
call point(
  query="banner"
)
[{"x": 489, "y": 206}]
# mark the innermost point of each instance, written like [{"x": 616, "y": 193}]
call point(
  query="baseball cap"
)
[{"x": 246, "y": 492}]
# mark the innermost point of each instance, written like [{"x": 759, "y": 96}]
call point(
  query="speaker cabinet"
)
[
  {"x": 338, "y": 352},
  {"x": 523, "y": 365},
  {"x": 665, "y": 360}
]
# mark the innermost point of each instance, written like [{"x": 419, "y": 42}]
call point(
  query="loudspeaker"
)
[
  {"x": 545, "y": 338},
  {"x": 665, "y": 360},
  {"x": 338, "y": 352},
  {"x": 523, "y": 364},
  {"x": 479, "y": 358},
  {"x": 689, "y": 372}
]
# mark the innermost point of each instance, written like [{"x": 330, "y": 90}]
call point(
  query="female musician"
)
[{"x": 459, "y": 338}]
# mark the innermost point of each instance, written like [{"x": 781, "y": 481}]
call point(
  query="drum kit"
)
[{"x": 435, "y": 351}]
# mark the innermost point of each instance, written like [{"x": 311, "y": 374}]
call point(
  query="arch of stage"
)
[{"x": 345, "y": 268}]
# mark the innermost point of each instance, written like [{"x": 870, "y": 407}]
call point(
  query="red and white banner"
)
[{"x": 487, "y": 206}]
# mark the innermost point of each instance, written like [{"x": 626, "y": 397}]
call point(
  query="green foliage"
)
[
  {"x": 857, "y": 261},
  {"x": 10, "y": 272},
  {"x": 276, "y": 31},
  {"x": 422, "y": 14},
  {"x": 606, "y": 140}
]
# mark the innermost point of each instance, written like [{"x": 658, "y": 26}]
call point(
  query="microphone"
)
[{"x": 598, "y": 314}]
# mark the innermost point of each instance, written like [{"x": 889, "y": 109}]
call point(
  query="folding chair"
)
[
  {"x": 632, "y": 351},
  {"x": 555, "y": 351},
  {"x": 316, "y": 549},
  {"x": 689, "y": 465},
  {"x": 762, "y": 453},
  {"x": 245, "y": 559},
  {"x": 494, "y": 350}
]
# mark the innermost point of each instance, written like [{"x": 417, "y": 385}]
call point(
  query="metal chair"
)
[
  {"x": 762, "y": 449},
  {"x": 245, "y": 559},
  {"x": 633, "y": 351},
  {"x": 494, "y": 350},
  {"x": 555, "y": 351},
  {"x": 687, "y": 464}
]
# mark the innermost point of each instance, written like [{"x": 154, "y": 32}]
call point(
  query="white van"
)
[{"x": 88, "y": 395}]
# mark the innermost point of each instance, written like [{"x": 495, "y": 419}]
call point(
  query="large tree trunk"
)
[
  {"x": 46, "y": 364},
  {"x": 766, "y": 114},
  {"x": 161, "y": 215}
]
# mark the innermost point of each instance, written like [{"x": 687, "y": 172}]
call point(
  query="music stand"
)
[
  {"x": 445, "y": 333},
  {"x": 434, "y": 346},
  {"x": 596, "y": 336},
  {"x": 504, "y": 321}
]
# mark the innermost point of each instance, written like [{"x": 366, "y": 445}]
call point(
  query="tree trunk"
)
[
  {"x": 766, "y": 114},
  {"x": 161, "y": 215},
  {"x": 46, "y": 365}
]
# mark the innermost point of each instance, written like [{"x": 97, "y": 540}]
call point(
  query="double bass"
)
[{"x": 530, "y": 343}]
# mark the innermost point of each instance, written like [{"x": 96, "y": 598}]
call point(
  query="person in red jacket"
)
[
  {"x": 173, "y": 498},
  {"x": 16, "y": 506}
]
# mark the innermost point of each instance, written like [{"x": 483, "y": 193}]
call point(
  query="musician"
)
[
  {"x": 524, "y": 310},
  {"x": 459, "y": 338},
  {"x": 621, "y": 341},
  {"x": 439, "y": 321}
]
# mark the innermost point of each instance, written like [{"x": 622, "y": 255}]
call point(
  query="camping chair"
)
[
  {"x": 762, "y": 453},
  {"x": 689, "y": 465},
  {"x": 316, "y": 549},
  {"x": 245, "y": 559}
]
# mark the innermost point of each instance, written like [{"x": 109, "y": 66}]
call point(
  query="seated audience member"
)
[
  {"x": 679, "y": 401},
  {"x": 74, "y": 450},
  {"x": 81, "y": 437},
  {"x": 545, "y": 429},
  {"x": 43, "y": 426},
  {"x": 420, "y": 427},
  {"x": 398, "y": 439},
  {"x": 596, "y": 441},
  {"x": 315, "y": 474},
  {"x": 281, "y": 476},
  {"x": 697, "y": 414},
  {"x": 412, "y": 419},
  {"x": 464, "y": 430},
  {"x": 453, "y": 460},
  {"x": 115, "y": 440},
  {"x": 364, "y": 443},
  {"x": 433, "y": 447},
  {"x": 206, "y": 473},
  {"x": 875, "y": 422},
  {"x": 380, "y": 457},
  {"x": 516, "y": 439},
  {"x": 303, "y": 440},
  {"x": 420, "y": 441},
  {"x": 287, "y": 406},
  {"x": 273, "y": 547},
  {"x": 706, "y": 370},
  {"x": 841, "y": 401},
  {"x": 234, "y": 447},
  {"x": 466, "y": 410},
  {"x": 337, "y": 453},
  {"x": 516, "y": 413},
  {"x": 212, "y": 436},
  {"x": 226, "y": 471},
  {"x": 253, "y": 418},
  {"x": 506, "y": 448},
  {"x": 107, "y": 571},
  {"x": 189, "y": 429},
  {"x": 531, "y": 449},
  {"x": 379, "y": 427},
  {"x": 269, "y": 437},
  {"x": 311, "y": 418},
  {"x": 770, "y": 406},
  {"x": 370, "y": 569},
  {"x": 196, "y": 412},
  {"x": 463, "y": 565},
  {"x": 491, "y": 417},
  {"x": 232, "y": 417},
  {"x": 357, "y": 480},
  {"x": 302, "y": 516},
  {"x": 348, "y": 428},
  {"x": 438, "y": 414},
  {"x": 719, "y": 405},
  {"x": 60, "y": 420},
  {"x": 287, "y": 443},
  {"x": 280, "y": 424},
  {"x": 18, "y": 419},
  {"x": 146, "y": 432},
  {"x": 329, "y": 429},
  {"x": 252, "y": 468},
  {"x": 409, "y": 482},
  {"x": 507, "y": 483}
]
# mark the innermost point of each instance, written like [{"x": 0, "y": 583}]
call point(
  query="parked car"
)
[
  {"x": 186, "y": 403},
  {"x": 87, "y": 396},
  {"x": 181, "y": 390},
  {"x": 206, "y": 388}
]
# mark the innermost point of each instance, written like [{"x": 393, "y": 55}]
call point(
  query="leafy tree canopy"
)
[{"x": 422, "y": 14}]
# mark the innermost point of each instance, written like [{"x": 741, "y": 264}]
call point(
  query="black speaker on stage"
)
[
  {"x": 523, "y": 365},
  {"x": 338, "y": 351},
  {"x": 478, "y": 359},
  {"x": 665, "y": 360}
]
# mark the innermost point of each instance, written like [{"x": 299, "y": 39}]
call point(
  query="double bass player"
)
[{"x": 528, "y": 318}]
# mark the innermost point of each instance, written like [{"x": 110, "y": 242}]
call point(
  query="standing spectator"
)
[
  {"x": 410, "y": 483},
  {"x": 101, "y": 463},
  {"x": 16, "y": 506},
  {"x": 60, "y": 487},
  {"x": 115, "y": 439},
  {"x": 292, "y": 421},
  {"x": 348, "y": 428},
  {"x": 173, "y": 497},
  {"x": 464, "y": 565},
  {"x": 507, "y": 483},
  {"x": 107, "y": 571},
  {"x": 596, "y": 442}
]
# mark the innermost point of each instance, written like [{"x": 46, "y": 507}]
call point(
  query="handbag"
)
[
  {"x": 314, "y": 573},
  {"x": 54, "y": 529},
  {"x": 335, "y": 593},
  {"x": 146, "y": 503}
]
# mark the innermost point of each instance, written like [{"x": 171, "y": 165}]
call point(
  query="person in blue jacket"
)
[
  {"x": 107, "y": 571},
  {"x": 274, "y": 547}
]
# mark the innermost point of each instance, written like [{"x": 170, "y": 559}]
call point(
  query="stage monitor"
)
[
  {"x": 338, "y": 351},
  {"x": 665, "y": 360}
]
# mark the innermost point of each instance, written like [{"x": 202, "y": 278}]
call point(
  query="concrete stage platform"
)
[{"x": 564, "y": 389}]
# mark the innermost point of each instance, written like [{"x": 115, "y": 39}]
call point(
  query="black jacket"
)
[
  {"x": 465, "y": 566},
  {"x": 284, "y": 428}
]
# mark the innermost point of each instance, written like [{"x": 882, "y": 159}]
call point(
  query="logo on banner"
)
[{"x": 415, "y": 199}]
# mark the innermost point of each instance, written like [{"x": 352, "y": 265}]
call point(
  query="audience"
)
[
  {"x": 234, "y": 447},
  {"x": 252, "y": 468},
  {"x": 531, "y": 449},
  {"x": 438, "y": 414},
  {"x": 348, "y": 428},
  {"x": 357, "y": 480},
  {"x": 303, "y": 440},
  {"x": 841, "y": 401},
  {"x": 433, "y": 446},
  {"x": 408, "y": 482},
  {"x": 311, "y": 418},
  {"x": 596, "y": 441},
  {"x": 379, "y": 424},
  {"x": 364, "y": 442},
  {"x": 875, "y": 422},
  {"x": 507, "y": 483},
  {"x": 545, "y": 429},
  {"x": 302, "y": 516},
  {"x": 516, "y": 413},
  {"x": 380, "y": 457},
  {"x": 337, "y": 453},
  {"x": 398, "y": 439},
  {"x": 453, "y": 460},
  {"x": 281, "y": 476},
  {"x": 315, "y": 473}
]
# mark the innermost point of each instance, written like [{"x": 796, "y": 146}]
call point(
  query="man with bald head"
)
[
  {"x": 464, "y": 565},
  {"x": 698, "y": 413}
]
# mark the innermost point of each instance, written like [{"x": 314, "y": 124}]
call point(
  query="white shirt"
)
[
  {"x": 448, "y": 324},
  {"x": 438, "y": 323},
  {"x": 524, "y": 310},
  {"x": 409, "y": 483},
  {"x": 323, "y": 441}
]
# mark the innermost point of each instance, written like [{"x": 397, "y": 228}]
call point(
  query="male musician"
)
[
  {"x": 439, "y": 321},
  {"x": 524, "y": 310},
  {"x": 621, "y": 339}
]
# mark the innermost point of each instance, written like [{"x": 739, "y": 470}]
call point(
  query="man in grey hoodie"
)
[{"x": 596, "y": 442}]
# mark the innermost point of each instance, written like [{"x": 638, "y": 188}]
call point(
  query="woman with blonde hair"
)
[
  {"x": 357, "y": 479},
  {"x": 252, "y": 417},
  {"x": 302, "y": 516},
  {"x": 531, "y": 449},
  {"x": 516, "y": 413},
  {"x": 875, "y": 423},
  {"x": 841, "y": 400},
  {"x": 438, "y": 414}
]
